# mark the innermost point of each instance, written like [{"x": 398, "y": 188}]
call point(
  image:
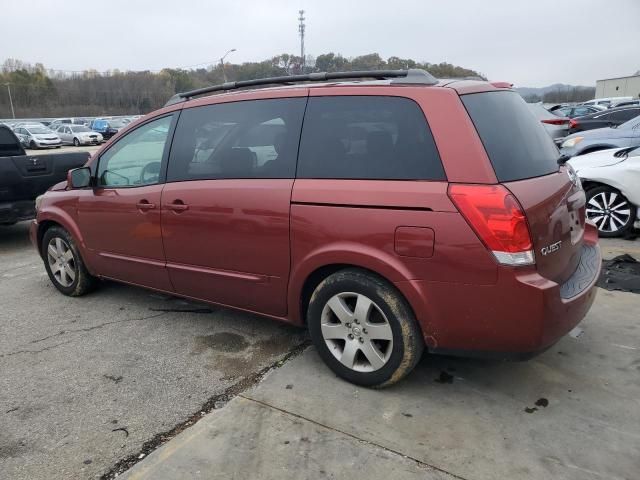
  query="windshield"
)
[
  {"x": 117, "y": 123},
  {"x": 80, "y": 128},
  {"x": 39, "y": 130},
  {"x": 630, "y": 123}
]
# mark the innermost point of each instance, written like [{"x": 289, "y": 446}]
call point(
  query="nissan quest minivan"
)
[{"x": 388, "y": 212}]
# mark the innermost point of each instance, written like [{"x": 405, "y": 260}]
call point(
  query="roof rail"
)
[{"x": 411, "y": 76}]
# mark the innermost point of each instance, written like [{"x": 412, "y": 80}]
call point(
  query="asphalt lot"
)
[{"x": 84, "y": 383}]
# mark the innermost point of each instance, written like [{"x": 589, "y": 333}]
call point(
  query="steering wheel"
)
[{"x": 150, "y": 173}]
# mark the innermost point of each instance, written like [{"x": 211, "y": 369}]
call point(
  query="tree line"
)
[
  {"x": 39, "y": 92},
  {"x": 564, "y": 95}
]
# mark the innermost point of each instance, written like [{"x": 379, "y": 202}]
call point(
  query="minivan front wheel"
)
[
  {"x": 363, "y": 329},
  {"x": 64, "y": 264},
  {"x": 612, "y": 213}
]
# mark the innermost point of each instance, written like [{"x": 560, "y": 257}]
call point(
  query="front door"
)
[
  {"x": 120, "y": 216},
  {"x": 225, "y": 207}
]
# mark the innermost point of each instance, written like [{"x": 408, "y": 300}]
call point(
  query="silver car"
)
[
  {"x": 624, "y": 135},
  {"x": 78, "y": 135},
  {"x": 556, "y": 126},
  {"x": 37, "y": 136}
]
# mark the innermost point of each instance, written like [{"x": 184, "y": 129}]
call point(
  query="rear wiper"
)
[
  {"x": 562, "y": 159},
  {"x": 624, "y": 153}
]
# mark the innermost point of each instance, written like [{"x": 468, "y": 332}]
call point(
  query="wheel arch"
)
[
  {"x": 58, "y": 217},
  {"x": 305, "y": 279}
]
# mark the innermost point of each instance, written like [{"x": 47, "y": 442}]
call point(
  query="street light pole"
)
[
  {"x": 10, "y": 100},
  {"x": 224, "y": 74}
]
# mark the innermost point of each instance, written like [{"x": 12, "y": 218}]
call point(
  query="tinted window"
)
[
  {"x": 561, "y": 112},
  {"x": 9, "y": 146},
  {"x": 136, "y": 158},
  {"x": 367, "y": 137},
  {"x": 579, "y": 111},
  {"x": 633, "y": 123},
  {"x": 249, "y": 139},
  {"x": 624, "y": 115},
  {"x": 515, "y": 140}
]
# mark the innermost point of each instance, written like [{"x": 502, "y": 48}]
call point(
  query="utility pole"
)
[
  {"x": 10, "y": 100},
  {"x": 301, "y": 27},
  {"x": 224, "y": 74}
]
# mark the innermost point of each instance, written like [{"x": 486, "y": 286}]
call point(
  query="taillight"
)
[
  {"x": 573, "y": 123},
  {"x": 498, "y": 220},
  {"x": 555, "y": 121}
]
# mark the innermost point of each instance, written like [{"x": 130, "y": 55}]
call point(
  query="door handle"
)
[
  {"x": 145, "y": 205},
  {"x": 178, "y": 206}
]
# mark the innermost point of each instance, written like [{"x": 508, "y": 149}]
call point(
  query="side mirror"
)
[{"x": 79, "y": 177}]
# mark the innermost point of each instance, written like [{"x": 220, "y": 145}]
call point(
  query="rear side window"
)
[
  {"x": 248, "y": 139},
  {"x": 367, "y": 137},
  {"x": 515, "y": 140},
  {"x": 9, "y": 146},
  {"x": 624, "y": 115}
]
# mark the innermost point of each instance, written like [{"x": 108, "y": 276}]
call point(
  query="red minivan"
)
[{"x": 389, "y": 214}]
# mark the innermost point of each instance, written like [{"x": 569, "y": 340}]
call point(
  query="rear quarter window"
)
[{"x": 516, "y": 142}]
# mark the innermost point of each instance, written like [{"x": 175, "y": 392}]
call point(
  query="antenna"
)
[{"x": 301, "y": 27}]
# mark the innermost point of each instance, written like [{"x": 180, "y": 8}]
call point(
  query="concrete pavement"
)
[{"x": 571, "y": 413}]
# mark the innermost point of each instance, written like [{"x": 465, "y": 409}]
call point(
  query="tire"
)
[
  {"x": 612, "y": 213},
  {"x": 33, "y": 145},
  {"x": 374, "y": 344},
  {"x": 70, "y": 277},
  {"x": 76, "y": 142}
]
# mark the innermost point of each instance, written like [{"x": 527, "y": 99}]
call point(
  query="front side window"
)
[
  {"x": 367, "y": 137},
  {"x": 135, "y": 159},
  {"x": 247, "y": 139}
]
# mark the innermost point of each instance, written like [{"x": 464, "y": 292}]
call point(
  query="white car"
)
[
  {"x": 37, "y": 136},
  {"x": 78, "y": 135},
  {"x": 611, "y": 180}
]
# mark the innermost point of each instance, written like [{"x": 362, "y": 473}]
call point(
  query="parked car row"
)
[
  {"x": 602, "y": 140},
  {"x": 68, "y": 131}
]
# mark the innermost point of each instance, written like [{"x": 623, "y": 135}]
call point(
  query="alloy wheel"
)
[
  {"x": 61, "y": 261},
  {"x": 609, "y": 210},
  {"x": 357, "y": 332}
]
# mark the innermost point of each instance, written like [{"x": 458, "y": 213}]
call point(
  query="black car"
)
[
  {"x": 23, "y": 177},
  {"x": 607, "y": 118},
  {"x": 572, "y": 111}
]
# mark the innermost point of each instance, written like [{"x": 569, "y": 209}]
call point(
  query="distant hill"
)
[{"x": 558, "y": 92}]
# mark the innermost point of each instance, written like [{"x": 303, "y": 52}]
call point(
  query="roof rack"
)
[{"x": 411, "y": 76}]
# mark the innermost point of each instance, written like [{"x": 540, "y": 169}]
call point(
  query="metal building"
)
[{"x": 618, "y": 87}]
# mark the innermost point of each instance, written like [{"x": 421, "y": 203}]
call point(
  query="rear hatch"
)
[{"x": 524, "y": 159}]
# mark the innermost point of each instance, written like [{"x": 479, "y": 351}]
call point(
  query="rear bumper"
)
[
  {"x": 12, "y": 212},
  {"x": 521, "y": 315}
]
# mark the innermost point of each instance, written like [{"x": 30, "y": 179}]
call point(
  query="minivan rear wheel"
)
[
  {"x": 363, "y": 328},
  {"x": 64, "y": 264},
  {"x": 612, "y": 213}
]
